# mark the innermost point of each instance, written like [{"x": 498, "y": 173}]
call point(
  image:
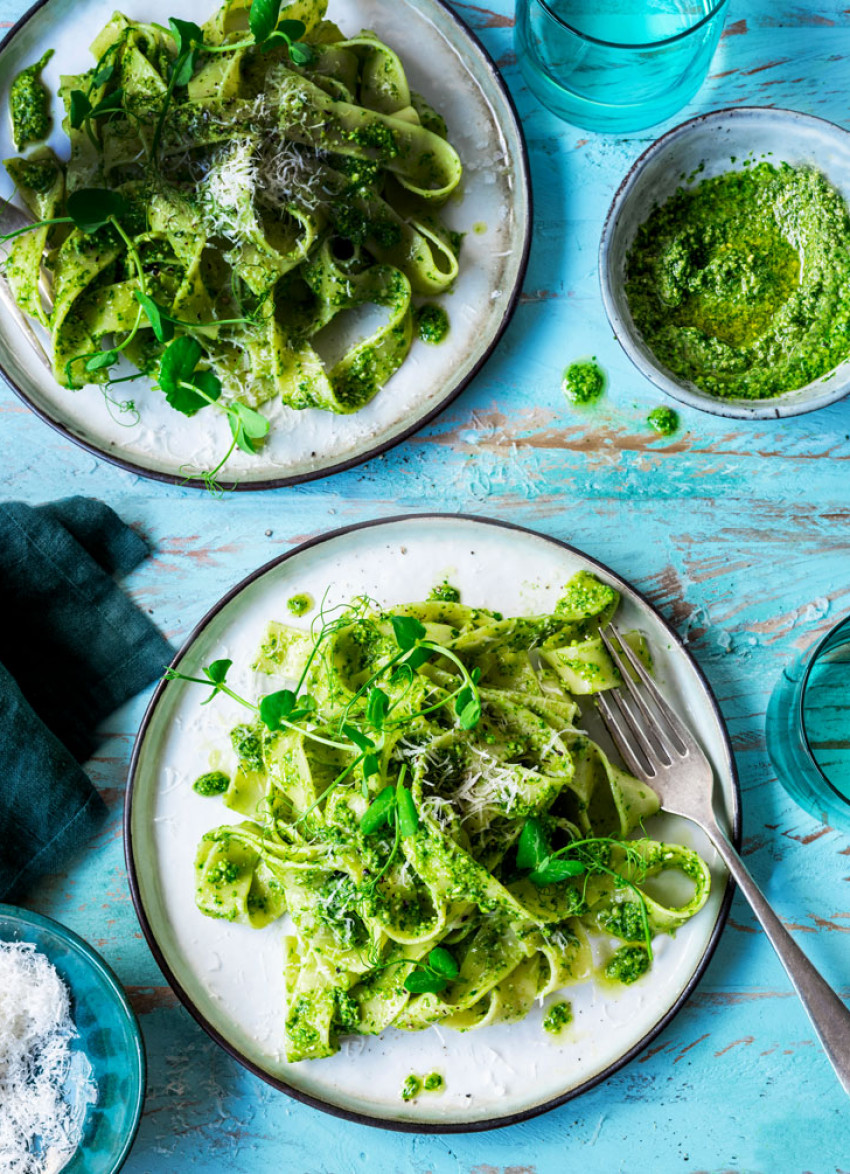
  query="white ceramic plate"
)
[
  {"x": 230, "y": 976},
  {"x": 444, "y": 62}
]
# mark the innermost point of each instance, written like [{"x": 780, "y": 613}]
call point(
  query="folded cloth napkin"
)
[{"x": 73, "y": 648}]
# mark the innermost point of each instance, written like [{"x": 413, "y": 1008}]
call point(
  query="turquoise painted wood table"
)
[{"x": 738, "y": 532}]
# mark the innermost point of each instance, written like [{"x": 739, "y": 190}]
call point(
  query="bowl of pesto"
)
[{"x": 725, "y": 263}]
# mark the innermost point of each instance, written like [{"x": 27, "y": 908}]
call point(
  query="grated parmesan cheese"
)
[{"x": 45, "y": 1087}]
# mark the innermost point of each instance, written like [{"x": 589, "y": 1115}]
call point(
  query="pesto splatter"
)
[
  {"x": 584, "y": 381},
  {"x": 411, "y": 1088},
  {"x": 432, "y": 323},
  {"x": 627, "y": 964},
  {"x": 214, "y": 782},
  {"x": 664, "y": 421},
  {"x": 557, "y": 1018},
  {"x": 741, "y": 284},
  {"x": 300, "y": 604},
  {"x": 29, "y": 101},
  {"x": 445, "y": 593},
  {"x": 434, "y": 1082}
]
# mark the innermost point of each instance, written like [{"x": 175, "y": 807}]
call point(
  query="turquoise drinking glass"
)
[
  {"x": 616, "y": 65},
  {"x": 808, "y": 728}
]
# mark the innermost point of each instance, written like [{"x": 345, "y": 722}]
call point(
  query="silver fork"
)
[
  {"x": 658, "y": 748},
  {"x": 12, "y": 218}
]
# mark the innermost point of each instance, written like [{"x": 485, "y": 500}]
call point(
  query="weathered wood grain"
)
[{"x": 738, "y": 533}]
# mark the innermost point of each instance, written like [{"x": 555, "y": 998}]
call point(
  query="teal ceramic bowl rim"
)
[
  {"x": 39, "y": 921},
  {"x": 642, "y": 45},
  {"x": 811, "y": 657}
]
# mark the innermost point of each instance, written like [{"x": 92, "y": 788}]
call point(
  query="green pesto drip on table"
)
[
  {"x": 628, "y": 964},
  {"x": 214, "y": 782},
  {"x": 411, "y": 1088},
  {"x": 432, "y": 323},
  {"x": 664, "y": 421},
  {"x": 584, "y": 381},
  {"x": 742, "y": 284},
  {"x": 29, "y": 101},
  {"x": 558, "y": 1017},
  {"x": 445, "y": 593},
  {"x": 300, "y": 604}
]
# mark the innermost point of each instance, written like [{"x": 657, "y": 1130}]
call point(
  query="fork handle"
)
[{"x": 830, "y": 1018}]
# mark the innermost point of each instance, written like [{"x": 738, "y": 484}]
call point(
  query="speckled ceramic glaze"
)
[
  {"x": 230, "y": 976},
  {"x": 108, "y": 1036},
  {"x": 699, "y": 149},
  {"x": 444, "y": 62}
]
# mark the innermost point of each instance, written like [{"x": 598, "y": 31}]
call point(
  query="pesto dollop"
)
[
  {"x": 432, "y": 323},
  {"x": 300, "y": 604},
  {"x": 742, "y": 284},
  {"x": 29, "y": 102},
  {"x": 557, "y": 1018},
  {"x": 444, "y": 593},
  {"x": 433, "y": 1082},
  {"x": 627, "y": 964},
  {"x": 411, "y": 1088},
  {"x": 214, "y": 782},
  {"x": 664, "y": 421},
  {"x": 584, "y": 381}
]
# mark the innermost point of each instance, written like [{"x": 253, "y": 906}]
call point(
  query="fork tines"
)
[{"x": 644, "y": 728}]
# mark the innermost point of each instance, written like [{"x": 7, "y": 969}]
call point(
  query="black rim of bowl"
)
[
  {"x": 384, "y": 446},
  {"x": 42, "y": 921},
  {"x": 652, "y": 370},
  {"x": 316, "y": 1102}
]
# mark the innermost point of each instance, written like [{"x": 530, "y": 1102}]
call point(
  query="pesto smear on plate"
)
[
  {"x": 742, "y": 283},
  {"x": 30, "y": 104}
]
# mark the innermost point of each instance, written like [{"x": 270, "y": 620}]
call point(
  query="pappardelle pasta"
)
[
  {"x": 423, "y": 804},
  {"x": 231, "y": 191}
]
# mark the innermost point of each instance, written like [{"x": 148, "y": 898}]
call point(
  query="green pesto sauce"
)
[
  {"x": 742, "y": 283},
  {"x": 584, "y": 381},
  {"x": 432, "y": 323},
  {"x": 557, "y": 1018},
  {"x": 445, "y": 593},
  {"x": 434, "y": 1082},
  {"x": 663, "y": 420},
  {"x": 411, "y": 1088},
  {"x": 627, "y": 964},
  {"x": 300, "y": 604},
  {"x": 214, "y": 782},
  {"x": 29, "y": 102}
]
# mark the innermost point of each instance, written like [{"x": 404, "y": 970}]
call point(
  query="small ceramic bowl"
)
[
  {"x": 108, "y": 1035},
  {"x": 710, "y": 142}
]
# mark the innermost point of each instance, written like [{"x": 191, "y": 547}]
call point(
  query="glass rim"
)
[
  {"x": 811, "y": 659},
  {"x": 545, "y": 4}
]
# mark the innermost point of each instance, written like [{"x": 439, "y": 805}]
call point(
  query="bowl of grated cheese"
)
[{"x": 72, "y": 1062}]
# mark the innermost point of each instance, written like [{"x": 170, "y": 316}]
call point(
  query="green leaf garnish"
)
[
  {"x": 376, "y": 708},
  {"x": 177, "y": 369},
  {"x": 276, "y": 706},
  {"x": 92, "y": 208},
  {"x": 407, "y": 630},
  {"x": 218, "y": 670},
  {"x": 99, "y": 361},
  {"x": 247, "y": 425},
  {"x": 552, "y": 870},
  {"x": 262, "y": 19},
  {"x": 408, "y": 816},
  {"x": 361, "y": 741},
  {"x": 533, "y": 847},
  {"x": 378, "y": 812},
  {"x": 425, "y": 982},
  {"x": 162, "y": 327},
  {"x": 102, "y": 76},
  {"x": 442, "y": 961},
  {"x": 79, "y": 109}
]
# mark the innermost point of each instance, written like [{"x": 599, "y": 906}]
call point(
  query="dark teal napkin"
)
[{"x": 73, "y": 648}]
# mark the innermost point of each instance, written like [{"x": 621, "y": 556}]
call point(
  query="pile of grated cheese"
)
[{"x": 45, "y": 1085}]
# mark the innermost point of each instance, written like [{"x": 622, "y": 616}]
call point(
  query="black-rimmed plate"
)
[
  {"x": 492, "y": 208},
  {"x": 230, "y": 976}
]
